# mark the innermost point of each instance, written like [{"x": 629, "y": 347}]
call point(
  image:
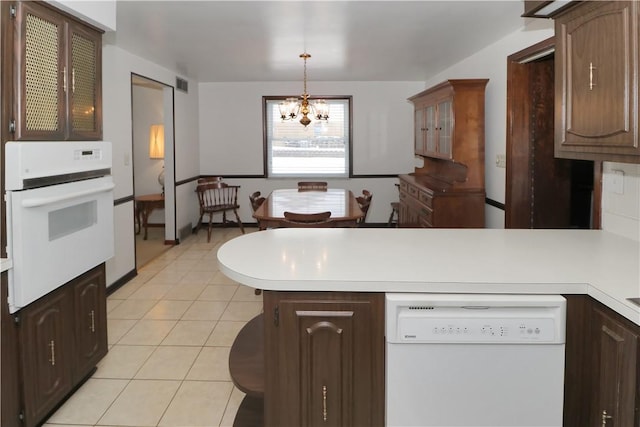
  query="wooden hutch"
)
[{"x": 448, "y": 190}]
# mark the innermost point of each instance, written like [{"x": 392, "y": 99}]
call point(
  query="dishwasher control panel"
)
[
  {"x": 494, "y": 330},
  {"x": 472, "y": 318}
]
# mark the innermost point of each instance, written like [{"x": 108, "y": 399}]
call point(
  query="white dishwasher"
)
[{"x": 474, "y": 360}]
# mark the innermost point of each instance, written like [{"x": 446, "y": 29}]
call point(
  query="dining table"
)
[{"x": 344, "y": 208}]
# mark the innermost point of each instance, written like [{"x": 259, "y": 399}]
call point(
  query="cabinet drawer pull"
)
[
  {"x": 92, "y": 316},
  {"x": 64, "y": 79},
  {"x": 605, "y": 417},
  {"x": 52, "y": 349},
  {"x": 324, "y": 403},
  {"x": 73, "y": 80},
  {"x": 591, "y": 69}
]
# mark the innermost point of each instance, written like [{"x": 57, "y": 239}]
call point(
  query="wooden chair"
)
[
  {"x": 312, "y": 186},
  {"x": 303, "y": 220},
  {"x": 217, "y": 197},
  {"x": 208, "y": 179},
  {"x": 364, "y": 201},
  {"x": 256, "y": 200},
  {"x": 395, "y": 212}
]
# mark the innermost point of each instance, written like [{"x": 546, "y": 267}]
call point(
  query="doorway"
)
[
  {"x": 152, "y": 138},
  {"x": 542, "y": 191}
]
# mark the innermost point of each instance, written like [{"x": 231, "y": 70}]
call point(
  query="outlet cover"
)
[
  {"x": 617, "y": 181},
  {"x": 501, "y": 160}
]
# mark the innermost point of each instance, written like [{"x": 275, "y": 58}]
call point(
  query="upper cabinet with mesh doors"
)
[{"x": 57, "y": 74}]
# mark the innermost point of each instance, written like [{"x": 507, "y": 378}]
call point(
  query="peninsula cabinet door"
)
[
  {"x": 324, "y": 359},
  {"x": 615, "y": 365},
  {"x": 45, "y": 348},
  {"x": 596, "y": 80}
]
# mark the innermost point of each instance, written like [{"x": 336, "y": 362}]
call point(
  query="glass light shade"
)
[
  {"x": 321, "y": 109},
  {"x": 156, "y": 142},
  {"x": 289, "y": 108}
]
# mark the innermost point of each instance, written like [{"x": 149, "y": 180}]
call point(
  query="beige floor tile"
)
[
  {"x": 131, "y": 309},
  {"x": 193, "y": 254},
  {"x": 141, "y": 403},
  {"x": 241, "y": 310},
  {"x": 232, "y": 408},
  {"x": 220, "y": 279},
  {"x": 166, "y": 277},
  {"x": 113, "y": 303},
  {"x": 205, "y": 310},
  {"x": 245, "y": 293},
  {"x": 218, "y": 293},
  {"x": 224, "y": 333},
  {"x": 197, "y": 277},
  {"x": 208, "y": 264},
  {"x": 89, "y": 402},
  {"x": 190, "y": 332},
  {"x": 212, "y": 364},
  {"x": 148, "y": 332},
  {"x": 168, "y": 363},
  {"x": 123, "y": 361},
  {"x": 168, "y": 309},
  {"x": 181, "y": 265},
  {"x": 116, "y": 328},
  {"x": 150, "y": 292},
  {"x": 185, "y": 292},
  {"x": 198, "y": 403}
]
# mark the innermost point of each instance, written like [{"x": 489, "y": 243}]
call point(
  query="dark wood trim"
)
[
  {"x": 123, "y": 200},
  {"x": 121, "y": 281},
  {"x": 188, "y": 180},
  {"x": 596, "y": 214},
  {"x": 494, "y": 203}
]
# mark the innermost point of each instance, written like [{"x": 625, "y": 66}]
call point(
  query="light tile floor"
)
[{"x": 170, "y": 330}]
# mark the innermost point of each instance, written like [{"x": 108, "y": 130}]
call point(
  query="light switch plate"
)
[
  {"x": 617, "y": 181},
  {"x": 501, "y": 160}
]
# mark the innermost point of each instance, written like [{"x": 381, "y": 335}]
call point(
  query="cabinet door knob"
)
[{"x": 605, "y": 417}]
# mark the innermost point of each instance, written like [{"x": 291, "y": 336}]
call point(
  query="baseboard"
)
[{"x": 121, "y": 281}]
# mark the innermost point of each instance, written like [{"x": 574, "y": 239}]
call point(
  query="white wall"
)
[
  {"x": 99, "y": 13},
  {"x": 232, "y": 141},
  {"x": 491, "y": 63},
  {"x": 117, "y": 116}
]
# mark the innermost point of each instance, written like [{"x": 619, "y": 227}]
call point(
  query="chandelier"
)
[{"x": 291, "y": 107}]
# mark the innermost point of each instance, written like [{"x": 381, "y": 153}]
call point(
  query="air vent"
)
[
  {"x": 182, "y": 84},
  {"x": 420, "y": 307}
]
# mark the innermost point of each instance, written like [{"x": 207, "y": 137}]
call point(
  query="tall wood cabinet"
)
[
  {"x": 61, "y": 338},
  {"x": 325, "y": 358},
  {"x": 57, "y": 69},
  {"x": 596, "y": 80},
  {"x": 449, "y": 190}
]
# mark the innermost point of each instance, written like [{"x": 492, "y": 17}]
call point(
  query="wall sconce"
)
[{"x": 156, "y": 148}]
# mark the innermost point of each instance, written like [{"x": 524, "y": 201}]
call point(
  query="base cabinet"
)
[
  {"x": 61, "y": 338},
  {"x": 602, "y": 383},
  {"x": 325, "y": 353}
]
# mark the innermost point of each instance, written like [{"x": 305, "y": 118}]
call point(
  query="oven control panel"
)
[{"x": 94, "y": 154}]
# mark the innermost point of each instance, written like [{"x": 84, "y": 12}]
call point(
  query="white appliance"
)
[
  {"x": 474, "y": 360},
  {"x": 59, "y": 214}
]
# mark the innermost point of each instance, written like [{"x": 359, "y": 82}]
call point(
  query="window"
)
[{"x": 322, "y": 149}]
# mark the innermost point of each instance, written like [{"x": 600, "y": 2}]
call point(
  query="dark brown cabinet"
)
[
  {"x": 57, "y": 68},
  {"x": 602, "y": 383},
  {"x": 61, "y": 337},
  {"x": 615, "y": 371},
  {"x": 596, "y": 81},
  {"x": 46, "y": 352},
  {"x": 90, "y": 314},
  {"x": 325, "y": 353}
]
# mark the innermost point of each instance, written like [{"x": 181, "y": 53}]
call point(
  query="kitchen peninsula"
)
[{"x": 343, "y": 274}]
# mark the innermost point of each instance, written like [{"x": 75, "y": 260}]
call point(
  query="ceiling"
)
[{"x": 235, "y": 41}]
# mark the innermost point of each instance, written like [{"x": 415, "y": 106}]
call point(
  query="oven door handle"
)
[{"x": 42, "y": 201}]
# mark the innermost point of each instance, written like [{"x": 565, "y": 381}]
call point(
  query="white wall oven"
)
[{"x": 59, "y": 214}]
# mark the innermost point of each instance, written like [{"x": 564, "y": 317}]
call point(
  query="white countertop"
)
[
  {"x": 594, "y": 262},
  {"x": 5, "y": 264}
]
